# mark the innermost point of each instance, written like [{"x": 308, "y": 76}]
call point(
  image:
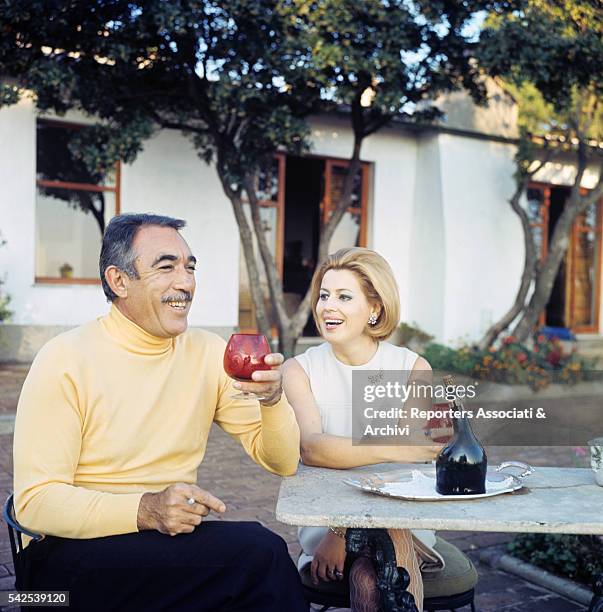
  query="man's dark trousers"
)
[{"x": 220, "y": 566}]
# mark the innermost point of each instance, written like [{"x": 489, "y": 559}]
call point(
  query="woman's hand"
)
[
  {"x": 413, "y": 454},
  {"x": 328, "y": 559}
]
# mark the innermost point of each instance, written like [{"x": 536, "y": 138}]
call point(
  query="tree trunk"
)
[
  {"x": 287, "y": 343},
  {"x": 275, "y": 284},
  {"x": 253, "y": 274},
  {"x": 250, "y": 262},
  {"x": 546, "y": 277},
  {"x": 545, "y": 280},
  {"x": 529, "y": 270},
  {"x": 530, "y": 266}
]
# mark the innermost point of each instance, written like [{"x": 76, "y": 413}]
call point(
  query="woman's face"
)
[{"x": 342, "y": 309}]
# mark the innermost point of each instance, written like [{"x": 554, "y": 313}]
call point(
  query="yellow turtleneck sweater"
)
[{"x": 109, "y": 412}]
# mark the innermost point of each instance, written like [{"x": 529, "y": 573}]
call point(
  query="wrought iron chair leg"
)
[
  {"x": 16, "y": 544},
  {"x": 391, "y": 581},
  {"x": 596, "y": 603}
]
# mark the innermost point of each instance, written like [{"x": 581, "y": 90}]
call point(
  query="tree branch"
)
[
  {"x": 175, "y": 125},
  {"x": 376, "y": 125},
  {"x": 529, "y": 269}
]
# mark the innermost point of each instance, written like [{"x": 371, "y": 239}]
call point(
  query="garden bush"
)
[
  {"x": 462, "y": 361},
  {"x": 537, "y": 365},
  {"x": 578, "y": 557}
]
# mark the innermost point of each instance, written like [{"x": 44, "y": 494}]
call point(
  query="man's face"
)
[{"x": 160, "y": 299}]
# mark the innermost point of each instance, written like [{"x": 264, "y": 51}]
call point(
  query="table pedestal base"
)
[{"x": 391, "y": 581}]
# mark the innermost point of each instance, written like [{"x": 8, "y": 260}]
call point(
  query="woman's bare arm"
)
[{"x": 325, "y": 450}]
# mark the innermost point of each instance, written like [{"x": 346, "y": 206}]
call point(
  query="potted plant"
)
[{"x": 66, "y": 271}]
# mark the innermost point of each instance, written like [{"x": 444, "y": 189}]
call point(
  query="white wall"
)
[
  {"x": 394, "y": 154},
  {"x": 166, "y": 178},
  {"x": 499, "y": 116},
  {"x": 483, "y": 237},
  {"x": 428, "y": 242}
]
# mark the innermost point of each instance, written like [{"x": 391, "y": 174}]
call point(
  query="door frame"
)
[
  {"x": 571, "y": 255},
  {"x": 326, "y": 205}
]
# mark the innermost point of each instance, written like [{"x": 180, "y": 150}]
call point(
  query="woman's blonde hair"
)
[{"x": 377, "y": 281}]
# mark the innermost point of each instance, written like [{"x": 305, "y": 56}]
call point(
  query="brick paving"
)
[{"x": 250, "y": 494}]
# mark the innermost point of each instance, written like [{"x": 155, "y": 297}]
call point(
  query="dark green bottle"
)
[{"x": 462, "y": 464}]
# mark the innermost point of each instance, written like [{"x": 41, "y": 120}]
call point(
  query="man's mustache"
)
[{"x": 185, "y": 297}]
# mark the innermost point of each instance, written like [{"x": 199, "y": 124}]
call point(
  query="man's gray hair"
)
[{"x": 117, "y": 244}]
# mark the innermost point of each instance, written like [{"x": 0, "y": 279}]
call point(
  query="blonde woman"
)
[{"x": 356, "y": 308}]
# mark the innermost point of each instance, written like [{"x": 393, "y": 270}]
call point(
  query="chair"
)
[
  {"x": 15, "y": 532},
  {"x": 452, "y": 588}
]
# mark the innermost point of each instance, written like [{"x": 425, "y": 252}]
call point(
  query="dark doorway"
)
[
  {"x": 304, "y": 188},
  {"x": 555, "y": 312}
]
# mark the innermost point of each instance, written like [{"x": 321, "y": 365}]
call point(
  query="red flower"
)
[
  {"x": 509, "y": 340},
  {"x": 554, "y": 357},
  {"x": 521, "y": 357},
  {"x": 540, "y": 339}
]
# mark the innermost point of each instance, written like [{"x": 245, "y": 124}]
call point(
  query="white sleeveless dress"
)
[{"x": 331, "y": 385}]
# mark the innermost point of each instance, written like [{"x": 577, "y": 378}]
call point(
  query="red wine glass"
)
[{"x": 243, "y": 356}]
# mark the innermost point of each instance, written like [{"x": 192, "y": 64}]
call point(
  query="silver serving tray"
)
[{"x": 419, "y": 484}]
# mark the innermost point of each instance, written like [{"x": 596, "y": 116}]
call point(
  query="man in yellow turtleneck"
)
[{"x": 111, "y": 426}]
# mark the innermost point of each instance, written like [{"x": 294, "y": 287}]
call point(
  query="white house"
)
[{"x": 432, "y": 201}]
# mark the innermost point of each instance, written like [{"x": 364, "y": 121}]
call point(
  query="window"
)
[{"x": 73, "y": 206}]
